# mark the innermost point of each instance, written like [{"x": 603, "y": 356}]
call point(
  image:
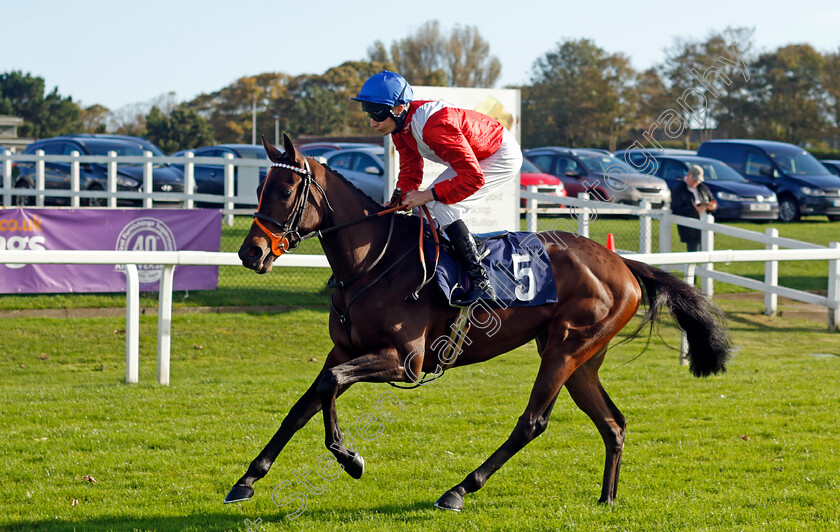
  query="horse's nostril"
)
[{"x": 253, "y": 252}]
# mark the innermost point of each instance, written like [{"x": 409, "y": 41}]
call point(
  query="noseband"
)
[{"x": 291, "y": 227}]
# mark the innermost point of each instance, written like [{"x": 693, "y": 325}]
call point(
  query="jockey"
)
[{"x": 481, "y": 156}]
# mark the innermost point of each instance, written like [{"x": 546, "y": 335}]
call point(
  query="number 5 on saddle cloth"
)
[{"x": 517, "y": 264}]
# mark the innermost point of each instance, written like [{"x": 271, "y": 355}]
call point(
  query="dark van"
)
[{"x": 802, "y": 185}]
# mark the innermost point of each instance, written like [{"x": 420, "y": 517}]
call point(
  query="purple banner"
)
[{"x": 117, "y": 229}]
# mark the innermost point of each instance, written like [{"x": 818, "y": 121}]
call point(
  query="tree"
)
[
  {"x": 709, "y": 82},
  {"x": 44, "y": 115},
  {"x": 792, "y": 96},
  {"x": 131, "y": 119},
  {"x": 831, "y": 84},
  {"x": 651, "y": 99},
  {"x": 230, "y": 109},
  {"x": 579, "y": 95},
  {"x": 181, "y": 129},
  {"x": 95, "y": 119},
  {"x": 469, "y": 63},
  {"x": 303, "y": 105},
  {"x": 429, "y": 58}
]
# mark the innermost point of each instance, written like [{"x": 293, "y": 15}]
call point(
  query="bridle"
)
[{"x": 291, "y": 227}]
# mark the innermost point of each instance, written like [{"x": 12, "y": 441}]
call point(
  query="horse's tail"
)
[{"x": 709, "y": 345}]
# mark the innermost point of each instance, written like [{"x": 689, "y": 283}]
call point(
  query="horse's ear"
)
[
  {"x": 290, "y": 148},
  {"x": 272, "y": 152}
]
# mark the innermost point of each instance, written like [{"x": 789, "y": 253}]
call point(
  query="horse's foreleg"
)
[
  {"x": 551, "y": 376},
  {"x": 298, "y": 416},
  {"x": 380, "y": 367},
  {"x": 585, "y": 388}
]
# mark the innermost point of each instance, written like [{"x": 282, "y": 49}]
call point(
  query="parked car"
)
[
  {"x": 210, "y": 178},
  {"x": 146, "y": 144},
  {"x": 93, "y": 176},
  {"x": 802, "y": 184},
  {"x": 319, "y": 149},
  {"x": 736, "y": 197},
  {"x": 364, "y": 167},
  {"x": 2, "y": 166},
  {"x": 621, "y": 154},
  {"x": 832, "y": 165},
  {"x": 530, "y": 175},
  {"x": 604, "y": 176}
]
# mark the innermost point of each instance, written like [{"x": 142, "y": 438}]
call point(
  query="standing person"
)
[
  {"x": 481, "y": 156},
  {"x": 691, "y": 198}
]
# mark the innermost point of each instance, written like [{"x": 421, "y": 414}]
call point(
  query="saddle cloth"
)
[{"x": 517, "y": 264}]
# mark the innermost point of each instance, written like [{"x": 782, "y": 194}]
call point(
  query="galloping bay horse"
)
[{"x": 378, "y": 332}]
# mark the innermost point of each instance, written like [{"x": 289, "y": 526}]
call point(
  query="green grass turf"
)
[{"x": 753, "y": 449}]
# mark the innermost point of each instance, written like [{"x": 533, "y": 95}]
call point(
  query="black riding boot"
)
[{"x": 466, "y": 252}]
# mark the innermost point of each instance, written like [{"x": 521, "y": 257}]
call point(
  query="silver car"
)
[{"x": 364, "y": 167}]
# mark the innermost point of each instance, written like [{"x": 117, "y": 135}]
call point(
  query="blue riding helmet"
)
[{"x": 388, "y": 88}]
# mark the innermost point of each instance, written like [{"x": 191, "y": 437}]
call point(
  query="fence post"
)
[
  {"x": 583, "y": 216},
  {"x": 7, "y": 179},
  {"x": 40, "y": 180},
  {"x": 189, "y": 178},
  {"x": 707, "y": 243},
  {"x": 645, "y": 227},
  {"x": 230, "y": 193},
  {"x": 834, "y": 291},
  {"x": 112, "y": 179},
  {"x": 771, "y": 273},
  {"x": 531, "y": 211},
  {"x": 74, "y": 179},
  {"x": 132, "y": 323},
  {"x": 148, "y": 183},
  {"x": 165, "y": 323},
  {"x": 665, "y": 228}
]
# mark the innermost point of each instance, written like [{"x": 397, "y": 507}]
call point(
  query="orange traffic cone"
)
[{"x": 610, "y": 242}]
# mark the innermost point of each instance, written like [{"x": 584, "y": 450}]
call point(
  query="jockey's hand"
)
[
  {"x": 416, "y": 198},
  {"x": 395, "y": 198}
]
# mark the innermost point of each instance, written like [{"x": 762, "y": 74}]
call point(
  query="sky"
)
[{"x": 118, "y": 53}]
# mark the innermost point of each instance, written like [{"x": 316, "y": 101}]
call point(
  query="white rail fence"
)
[
  {"x": 198, "y": 258},
  {"x": 240, "y": 178},
  {"x": 131, "y": 259},
  {"x": 583, "y": 210}
]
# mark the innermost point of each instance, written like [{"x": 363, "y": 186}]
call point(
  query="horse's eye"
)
[{"x": 286, "y": 193}]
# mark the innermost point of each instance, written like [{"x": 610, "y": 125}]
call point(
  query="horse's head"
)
[{"x": 286, "y": 209}]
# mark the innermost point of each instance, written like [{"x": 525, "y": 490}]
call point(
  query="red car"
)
[{"x": 530, "y": 175}]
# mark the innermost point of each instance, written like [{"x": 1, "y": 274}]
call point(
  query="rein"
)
[
  {"x": 291, "y": 227},
  {"x": 280, "y": 243}
]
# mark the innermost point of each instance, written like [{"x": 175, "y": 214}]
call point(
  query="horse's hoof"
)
[
  {"x": 239, "y": 493},
  {"x": 356, "y": 467},
  {"x": 450, "y": 501}
]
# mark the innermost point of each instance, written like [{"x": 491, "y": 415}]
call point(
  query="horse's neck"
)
[{"x": 351, "y": 249}]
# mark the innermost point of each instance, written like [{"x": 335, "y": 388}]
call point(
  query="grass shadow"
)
[{"x": 203, "y": 521}]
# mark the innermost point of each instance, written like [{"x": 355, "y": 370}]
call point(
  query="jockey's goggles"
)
[{"x": 377, "y": 111}]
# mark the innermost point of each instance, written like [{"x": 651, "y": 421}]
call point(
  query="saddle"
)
[{"x": 516, "y": 262}]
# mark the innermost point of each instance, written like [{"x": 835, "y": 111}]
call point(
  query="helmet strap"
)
[{"x": 400, "y": 120}]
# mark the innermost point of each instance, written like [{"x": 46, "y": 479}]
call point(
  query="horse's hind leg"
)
[
  {"x": 552, "y": 374},
  {"x": 585, "y": 388}
]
